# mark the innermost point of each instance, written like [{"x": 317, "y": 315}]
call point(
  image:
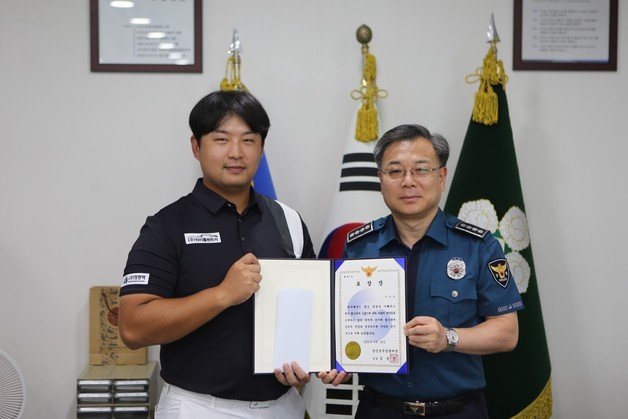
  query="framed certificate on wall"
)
[
  {"x": 146, "y": 35},
  {"x": 565, "y": 35}
]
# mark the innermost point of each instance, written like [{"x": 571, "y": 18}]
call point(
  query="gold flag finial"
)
[
  {"x": 485, "y": 107},
  {"x": 232, "y": 74},
  {"x": 367, "y": 124}
]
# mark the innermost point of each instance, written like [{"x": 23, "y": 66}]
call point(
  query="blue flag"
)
[{"x": 263, "y": 182}]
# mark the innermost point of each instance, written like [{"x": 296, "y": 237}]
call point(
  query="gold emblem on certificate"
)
[
  {"x": 368, "y": 270},
  {"x": 353, "y": 350}
]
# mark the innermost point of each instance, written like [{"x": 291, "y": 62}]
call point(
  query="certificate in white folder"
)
[{"x": 346, "y": 314}]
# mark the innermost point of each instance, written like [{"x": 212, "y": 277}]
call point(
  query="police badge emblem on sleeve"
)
[{"x": 500, "y": 272}]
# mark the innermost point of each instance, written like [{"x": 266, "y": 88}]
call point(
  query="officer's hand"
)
[
  {"x": 292, "y": 375},
  {"x": 242, "y": 280},
  {"x": 426, "y": 333},
  {"x": 334, "y": 377}
]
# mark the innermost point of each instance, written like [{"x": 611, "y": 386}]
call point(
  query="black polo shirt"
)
[{"x": 189, "y": 246}]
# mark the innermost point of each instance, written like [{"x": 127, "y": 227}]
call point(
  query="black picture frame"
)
[
  {"x": 519, "y": 63},
  {"x": 166, "y": 67}
]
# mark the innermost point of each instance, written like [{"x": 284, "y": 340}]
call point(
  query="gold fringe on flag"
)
[
  {"x": 232, "y": 81},
  {"x": 367, "y": 128},
  {"x": 485, "y": 108},
  {"x": 541, "y": 407}
]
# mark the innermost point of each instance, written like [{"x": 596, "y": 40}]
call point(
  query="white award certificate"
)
[
  {"x": 346, "y": 314},
  {"x": 370, "y": 311}
]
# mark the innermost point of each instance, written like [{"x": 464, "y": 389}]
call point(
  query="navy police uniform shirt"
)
[
  {"x": 189, "y": 246},
  {"x": 456, "y": 273}
]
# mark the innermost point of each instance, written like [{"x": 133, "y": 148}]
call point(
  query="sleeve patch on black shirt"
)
[
  {"x": 359, "y": 232},
  {"x": 471, "y": 229},
  {"x": 499, "y": 269},
  {"x": 135, "y": 279}
]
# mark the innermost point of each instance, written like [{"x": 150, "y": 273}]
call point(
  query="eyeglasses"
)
[{"x": 421, "y": 172}]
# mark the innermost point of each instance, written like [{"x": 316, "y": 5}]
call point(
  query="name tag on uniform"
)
[{"x": 202, "y": 238}]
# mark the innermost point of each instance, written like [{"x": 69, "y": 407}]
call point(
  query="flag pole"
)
[
  {"x": 262, "y": 181},
  {"x": 357, "y": 200}
]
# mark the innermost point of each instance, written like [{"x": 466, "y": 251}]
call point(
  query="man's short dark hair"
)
[
  {"x": 212, "y": 110},
  {"x": 411, "y": 132}
]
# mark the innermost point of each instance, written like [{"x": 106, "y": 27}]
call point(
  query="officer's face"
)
[
  {"x": 411, "y": 198},
  {"x": 229, "y": 157}
]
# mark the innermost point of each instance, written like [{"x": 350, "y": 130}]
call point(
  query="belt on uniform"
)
[{"x": 420, "y": 408}]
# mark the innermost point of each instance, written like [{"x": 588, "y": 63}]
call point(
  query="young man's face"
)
[
  {"x": 411, "y": 198},
  {"x": 229, "y": 156}
]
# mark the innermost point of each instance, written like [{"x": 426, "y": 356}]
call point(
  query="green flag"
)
[{"x": 486, "y": 191}]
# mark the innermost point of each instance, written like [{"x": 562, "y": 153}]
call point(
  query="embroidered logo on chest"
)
[{"x": 202, "y": 238}]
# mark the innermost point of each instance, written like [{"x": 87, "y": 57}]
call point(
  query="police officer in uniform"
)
[
  {"x": 462, "y": 301},
  {"x": 190, "y": 275}
]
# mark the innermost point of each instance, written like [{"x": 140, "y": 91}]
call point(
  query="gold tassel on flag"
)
[
  {"x": 232, "y": 74},
  {"x": 492, "y": 73},
  {"x": 541, "y": 407},
  {"x": 366, "y": 128}
]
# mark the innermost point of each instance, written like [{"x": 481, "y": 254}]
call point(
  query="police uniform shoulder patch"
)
[
  {"x": 471, "y": 229},
  {"x": 499, "y": 269},
  {"x": 356, "y": 233}
]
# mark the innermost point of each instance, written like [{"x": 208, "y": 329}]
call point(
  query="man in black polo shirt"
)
[{"x": 190, "y": 275}]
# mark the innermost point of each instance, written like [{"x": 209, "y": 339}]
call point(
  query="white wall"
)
[{"x": 85, "y": 157}]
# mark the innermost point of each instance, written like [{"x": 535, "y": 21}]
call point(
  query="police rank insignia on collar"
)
[
  {"x": 456, "y": 268},
  {"x": 359, "y": 232},
  {"x": 471, "y": 229},
  {"x": 500, "y": 272}
]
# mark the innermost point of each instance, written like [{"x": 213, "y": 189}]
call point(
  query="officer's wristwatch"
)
[{"x": 452, "y": 339}]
